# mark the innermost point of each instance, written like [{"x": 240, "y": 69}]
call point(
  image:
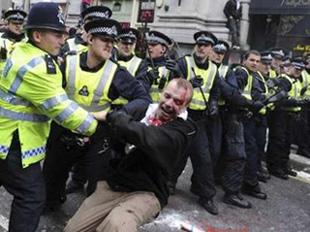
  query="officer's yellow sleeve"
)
[{"x": 45, "y": 92}]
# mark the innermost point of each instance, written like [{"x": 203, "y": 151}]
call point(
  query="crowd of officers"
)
[{"x": 233, "y": 106}]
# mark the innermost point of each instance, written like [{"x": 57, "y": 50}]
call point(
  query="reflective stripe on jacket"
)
[{"x": 31, "y": 93}]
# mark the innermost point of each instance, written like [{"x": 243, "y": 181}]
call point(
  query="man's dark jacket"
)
[{"x": 157, "y": 150}]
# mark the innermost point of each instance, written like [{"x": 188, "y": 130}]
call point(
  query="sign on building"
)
[{"x": 146, "y": 11}]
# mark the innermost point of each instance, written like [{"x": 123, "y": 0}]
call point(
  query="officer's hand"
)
[
  {"x": 173, "y": 66},
  {"x": 100, "y": 115},
  {"x": 152, "y": 75},
  {"x": 197, "y": 81},
  {"x": 256, "y": 106}
]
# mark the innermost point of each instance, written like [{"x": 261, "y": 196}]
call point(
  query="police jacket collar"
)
[
  {"x": 78, "y": 40},
  {"x": 125, "y": 58},
  {"x": 83, "y": 64},
  {"x": 204, "y": 65},
  {"x": 12, "y": 36}
]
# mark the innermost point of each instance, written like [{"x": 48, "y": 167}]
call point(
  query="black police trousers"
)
[
  {"x": 234, "y": 156},
  {"x": 281, "y": 124},
  {"x": 27, "y": 187},
  {"x": 61, "y": 157},
  {"x": 302, "y": 131},
  {"x": 254, "y": 137},
  {"x": 202, "y": 178}
]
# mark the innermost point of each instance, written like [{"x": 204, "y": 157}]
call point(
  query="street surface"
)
[{"x": 287, "y": 208}]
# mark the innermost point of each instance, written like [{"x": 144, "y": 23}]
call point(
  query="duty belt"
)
[{"x": 75, "y": 140}]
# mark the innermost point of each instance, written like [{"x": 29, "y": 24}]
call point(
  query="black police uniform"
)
[{"x": 202, "y": 178}]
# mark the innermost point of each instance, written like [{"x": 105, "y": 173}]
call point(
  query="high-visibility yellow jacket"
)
[
  {"x": 208, "y": 76},
  {"x": 132, "y": 66},
  {"x": 31, "y": 94},
  {"x": 89, "y": 89}
]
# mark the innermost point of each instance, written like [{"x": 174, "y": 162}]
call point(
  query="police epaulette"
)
[
  {"x": 50, "y": 65},
  {"x": 71, "y": 53}
]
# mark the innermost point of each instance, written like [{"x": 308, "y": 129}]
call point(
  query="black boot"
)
[
  {"x": 254, "y": 191},
  {"x": 236, "y": 199},
  {"x": 209, "y": 205}
]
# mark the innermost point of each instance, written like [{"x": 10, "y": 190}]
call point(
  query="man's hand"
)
[
  {"x": 197, "y": 81},
  {"x": 173, "y": 66},
  {"x": 100, "y": 115}
]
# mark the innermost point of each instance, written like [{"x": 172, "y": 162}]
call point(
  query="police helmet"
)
[
  {"x": 46, "y": 15},
  {"x": 108, "y": 28},
  {"x": 15, "y": 15}
]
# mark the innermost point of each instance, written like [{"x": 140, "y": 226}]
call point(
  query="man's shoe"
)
[
  {"x": 74, "y": 187},
  {"x": 256, "y": 194},
  {"x": 209, "y": 205},
  {"x": 279, "y": 173},
  {"x": 236, "y": 200}
]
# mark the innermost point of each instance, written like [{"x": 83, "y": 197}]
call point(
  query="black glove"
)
[
  {"x": 3, "y": 53},
  {"x": 174, "y": 68},
  {"x": 197, "y": 81},
  {"x": 152, "y": 75},
  {"x": 302, "y": 102},
  {"x": 277, "y": 97},
  {"x": 213, "y": 108},
  {"x": 255, "y": 106}
]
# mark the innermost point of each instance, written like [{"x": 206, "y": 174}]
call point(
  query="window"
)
[{"x": 117, "y": 6}]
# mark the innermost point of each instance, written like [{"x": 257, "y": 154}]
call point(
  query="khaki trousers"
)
[{"x": 109, "y": 211}]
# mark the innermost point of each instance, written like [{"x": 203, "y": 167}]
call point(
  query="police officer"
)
[
  {"x": 277, "y": 59},
  {"x": 32, "y": 94},
  {"x": 93, "y": 81},
  {"x": 154, "y": 73},
  {"x": 254, "y": 127},
  {"x": 203, "y": 74},
  {"x": 15, "y": 20},
  {"x": 282, "y": 121},
  {"x": 217, "y": 56},
  {"x": 214, "y": 127},
  {"x": 14, "y": 33},
  {"x": 234, "y": 145},
  {"x": 303, "y": 124},
  {"x": 126, "y": 57},
  {"x": 79, "y": 42}
]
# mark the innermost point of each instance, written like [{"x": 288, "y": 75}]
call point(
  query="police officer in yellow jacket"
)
[
  {"x": 126, "y": 57},
  {"x": 93, "y": 81},
  {"x": 203, "y": 73},
  {"x": 31, "y": 94},
  {"x": 79, "y": 42},
  {"x": 153, "y": 72},
  {"x": 282, "y": 121},
  {"x": 14, "y": 33}
]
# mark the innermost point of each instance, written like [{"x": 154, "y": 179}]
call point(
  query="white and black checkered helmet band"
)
[
  {"x": 110, "y": 31},
  {"x": 220, "y": 48},
  {"x": 98, "y": 14},
  {"x": 127, "y": 35},
  {"x": 156, "y": 39},
  {"x": 18, "y": 17},
  {"x": 205, "y": 39}
]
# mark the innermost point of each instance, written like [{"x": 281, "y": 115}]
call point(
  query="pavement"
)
[{"x": 287, "y": 208}]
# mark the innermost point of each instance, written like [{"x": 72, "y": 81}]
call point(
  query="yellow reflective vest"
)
[
  {"x": 306, "y": 82},
  {"x": 293, "y": 93},
  {"x": 76, "y": 47},
  {"x": 132, "y": 66},
  {"x": 6, "y": 46},
  {"x": 31, "y": 94},
  {"x": 89, "y": 89},
  {"x": 208, "y": 77},
  {"x": 154, "y": 90}
]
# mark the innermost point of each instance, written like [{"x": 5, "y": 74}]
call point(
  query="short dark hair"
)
[{"x": 250, "y": 52}]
